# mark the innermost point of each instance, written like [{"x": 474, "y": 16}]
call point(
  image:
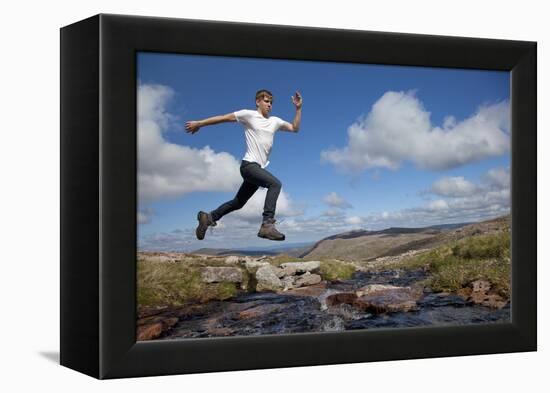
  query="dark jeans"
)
[{"x": 254, "y": 177}]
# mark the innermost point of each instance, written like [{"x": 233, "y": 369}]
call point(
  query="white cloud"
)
[
  {"x": 354, "y": 220},
  {"x": 172, "y": 241},
  {"x": 498, "y": 178},
  {"x": 453, "y": 186},
  {"x": 167, "y": 170},
  {"x": 438, "y": 204},
  {"x": 463, "y": 201},
  {"x": 398, "y": 128},
  {"x": 152, "y": 100},
  {"x": 491, "y": 198},
  {"x": 335, "y": 212},
  {"x": 144, "y": 216},
  {"x": 252, "y": 211},
  {"x": 335, "y": 200}
]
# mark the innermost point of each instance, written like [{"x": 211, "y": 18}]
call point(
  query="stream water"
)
[{"x": 274, "y": 313}]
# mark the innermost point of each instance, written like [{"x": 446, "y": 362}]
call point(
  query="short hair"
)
[{"x": 260, "y": 94}]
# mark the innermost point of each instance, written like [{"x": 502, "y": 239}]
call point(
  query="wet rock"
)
[
  {"x": 221, "y": 274},
  {"x": 341, "y": 298},
  {"x": 479, "y": 292},
  {"x": 307, "y": 279},
  {"x": 386, "y": 298},
  {"x": 154, "y": 329},
  {"x": 267, "y": 279},
  {"x": 303, "y": 267},
  {"x": 310, "y": 291},
  {"x": 433, "y": 300},
  {"x": 150, "y": 311},
  {"x": 378, "y": 298},
  {"x": 334, "y": 324},
  {"x": 465, "y": 292},
  {"x": 149, "y": 332},
  {"x": 494, "y": 301},
  {"x": 259, "y": 311},
  {"x": 373, "y": 288},
  {"x": 214, "y": 327}
]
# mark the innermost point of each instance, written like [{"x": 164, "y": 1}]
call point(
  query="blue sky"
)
[{"x": 379, "y": 146}]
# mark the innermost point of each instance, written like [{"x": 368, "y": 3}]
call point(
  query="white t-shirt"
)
[{"x": 258, "y": 133}]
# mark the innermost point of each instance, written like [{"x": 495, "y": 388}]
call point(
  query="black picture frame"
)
[{"x": 98, "y": 195}]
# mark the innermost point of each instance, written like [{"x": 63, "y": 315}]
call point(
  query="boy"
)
[{"x": 260, "y": 128}]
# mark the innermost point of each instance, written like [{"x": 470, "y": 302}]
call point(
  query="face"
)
[{"x": 264, "y": 105}]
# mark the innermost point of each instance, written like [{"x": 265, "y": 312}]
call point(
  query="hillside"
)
[{"x": 369, "y": 245}]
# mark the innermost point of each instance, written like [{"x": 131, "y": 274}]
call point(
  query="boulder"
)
[
  {"x": 302, "y": 267},
  {"x": 311, "y": 291},
  {"x": 267, "y": 279},
  {"x": 280, "y": 272},
  {"x": 481, "y": 286},
  {"x": 149, "y": 332},
  {"x": 253, "y": 266},
  {"x": 341, "y": 298},
  {"x": 246, "y": 258},
  {"x": 221, "y": 274},
  {"x": 378, "y": 298},
  {"x": 373, "y": 288},
  {"x": 479, "y": 292},
  {"x": 307, "y": 279},
  {"x": 232, "y": 260},
  {"x": 288, "y": 271},
  {"x": 386, "y": 298},
  {"x": 288, "y": 283}
]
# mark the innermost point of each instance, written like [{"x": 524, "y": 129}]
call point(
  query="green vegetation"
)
[
  {"x": 457, "y": 264},
  {"x": 335, "y": 270},
  {"x": 483, "y": 247},
  {"x": 282, "y": 258},
  {"x": 173, "y": 284}
]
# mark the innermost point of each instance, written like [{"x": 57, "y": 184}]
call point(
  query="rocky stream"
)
[{"x": 386, "y": 299}]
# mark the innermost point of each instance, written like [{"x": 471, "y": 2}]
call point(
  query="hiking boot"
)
[
  {"x": 205, "y": 221},
  {"x": 268, "y": 231}
]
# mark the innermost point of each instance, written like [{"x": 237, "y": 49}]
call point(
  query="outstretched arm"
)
[
  {"x": 295, "y": 126},
  {"x": 194, "y": 126}
]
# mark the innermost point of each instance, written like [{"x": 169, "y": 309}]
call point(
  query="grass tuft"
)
[
  {"x": 279, "y": 259},
  {"x": 174, "y": 284},
  {"x": 336, "y": 270},
  {"x": 455, "y": 265}
]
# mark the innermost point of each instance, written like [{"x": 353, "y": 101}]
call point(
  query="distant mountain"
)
[
  {"x": 365, "y": 245},
  {"x": 224, "y": 251},
  {"x": 292, "y": 249},
  {"x": 368, "y": 245}
]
